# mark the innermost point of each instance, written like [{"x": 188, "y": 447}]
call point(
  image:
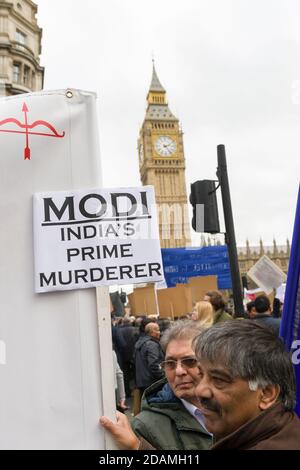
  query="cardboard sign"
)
[
  {"x": 202, "y": 284},
  {"x": 165, "y": 303},
  {"x": 142, "y": 301},
  {"x": 95, "y": 237},
  {"x": 175, "y": 301}
]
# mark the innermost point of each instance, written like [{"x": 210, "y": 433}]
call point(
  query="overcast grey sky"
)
[{"x": 231, "y": 69}]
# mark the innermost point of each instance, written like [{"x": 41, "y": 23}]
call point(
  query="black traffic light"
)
[{"x": 205, "y": 208}]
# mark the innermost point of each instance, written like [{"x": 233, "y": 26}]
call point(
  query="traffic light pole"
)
[{"x": 229, "y": 229}]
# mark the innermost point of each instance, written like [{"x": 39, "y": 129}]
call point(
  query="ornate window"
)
[
  {"x": 26, "y": 76},
  {"x": 20, "y": 37},
  {"x": 16, "y": 73}
]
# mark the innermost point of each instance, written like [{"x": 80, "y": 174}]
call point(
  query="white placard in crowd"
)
[
  {"x": 266, "y": 274},
  {"x": 280, "y": 292},
  {"x": 95, "y": 237}
]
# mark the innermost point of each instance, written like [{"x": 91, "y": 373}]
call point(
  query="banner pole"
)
[
  {"x": 172, "y": 311},
  {"x": 156, "y": 299},
  {"x": 106, "y": 361}
]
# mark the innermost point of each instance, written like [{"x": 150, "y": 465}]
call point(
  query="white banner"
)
[
  {"x": 51, "y": 391},
  {"x": 96, "y": 237}
]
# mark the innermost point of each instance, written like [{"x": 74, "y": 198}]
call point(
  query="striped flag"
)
[{"x": 290, "y": 324}]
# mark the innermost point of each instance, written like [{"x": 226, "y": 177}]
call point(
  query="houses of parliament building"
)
[{"x": 160, "y": 141}]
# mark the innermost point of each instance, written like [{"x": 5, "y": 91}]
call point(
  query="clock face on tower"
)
[{"x": 165, "y": 146}]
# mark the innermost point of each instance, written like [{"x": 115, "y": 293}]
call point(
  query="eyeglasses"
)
[{"x": 186, "y": 362}]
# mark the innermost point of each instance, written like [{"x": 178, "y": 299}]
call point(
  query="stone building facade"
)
[
  {"x": 248, "y": 255},
  {"x": 20, "y": 48}
]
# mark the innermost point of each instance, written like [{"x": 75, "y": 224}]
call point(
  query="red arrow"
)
[{"x": 27, "y": 149}]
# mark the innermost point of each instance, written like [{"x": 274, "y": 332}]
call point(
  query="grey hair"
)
[
  {"x": 251, "y": 352},
  {"x": 255, "y": 385},
  {"x": 180, "y": 330}
]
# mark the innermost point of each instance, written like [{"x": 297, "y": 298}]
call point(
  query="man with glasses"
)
[{"x": 170, "y": 417}]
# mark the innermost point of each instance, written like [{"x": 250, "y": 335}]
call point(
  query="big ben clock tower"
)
[{"x": 162, "y": 164}]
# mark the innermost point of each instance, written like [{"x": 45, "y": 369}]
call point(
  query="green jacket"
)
[
  {"x": 166, "y": 424},
  {"x": 222, "y": 315}
]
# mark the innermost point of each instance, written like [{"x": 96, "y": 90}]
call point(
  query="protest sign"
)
[
  {"x": 96, "y": 237},
  {"x": 266, "y": 274}
]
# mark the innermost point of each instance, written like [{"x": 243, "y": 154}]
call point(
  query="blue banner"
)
[
  {"x": 182, "y": 263},
  {"x": 290, "y": 323}
]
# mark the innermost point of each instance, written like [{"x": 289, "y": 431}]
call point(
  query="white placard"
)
[
  {"x": 95, "y": 237},
  {"x": 266, "y": 274},
  {"x": 50, "y": 381}
]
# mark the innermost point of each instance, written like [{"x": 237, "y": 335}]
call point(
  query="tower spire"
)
[
  {"x": 155, "y": 83},
  {"x": 248, "y": 252},
  {"x": 288, "y": 248},
  {"x": 275, "y": 249},
  {"x": 261, "y": 247},
  {"x": 157, "y": 93}
]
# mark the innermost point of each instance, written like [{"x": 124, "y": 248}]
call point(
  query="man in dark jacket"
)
[
  {"x": 129, "y": 334},
  {"x": 263, "y": 314},
  {"x": 148, "y": 356}
]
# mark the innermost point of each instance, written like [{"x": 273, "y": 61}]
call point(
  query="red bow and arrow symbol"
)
[{"x": 27, "y": 129}]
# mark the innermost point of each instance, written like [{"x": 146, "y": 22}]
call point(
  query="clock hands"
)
[{"x": 165, "y": 146}]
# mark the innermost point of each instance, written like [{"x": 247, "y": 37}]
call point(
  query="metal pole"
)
[{"x": 229, "y": 229}]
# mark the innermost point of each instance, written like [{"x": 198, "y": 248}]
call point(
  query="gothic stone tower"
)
[
  {"x": 20, "y": 47},
  {"x": 162, "y": 164}
]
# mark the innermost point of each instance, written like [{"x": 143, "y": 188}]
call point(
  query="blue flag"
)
[{"x": 290, "y": 323}]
